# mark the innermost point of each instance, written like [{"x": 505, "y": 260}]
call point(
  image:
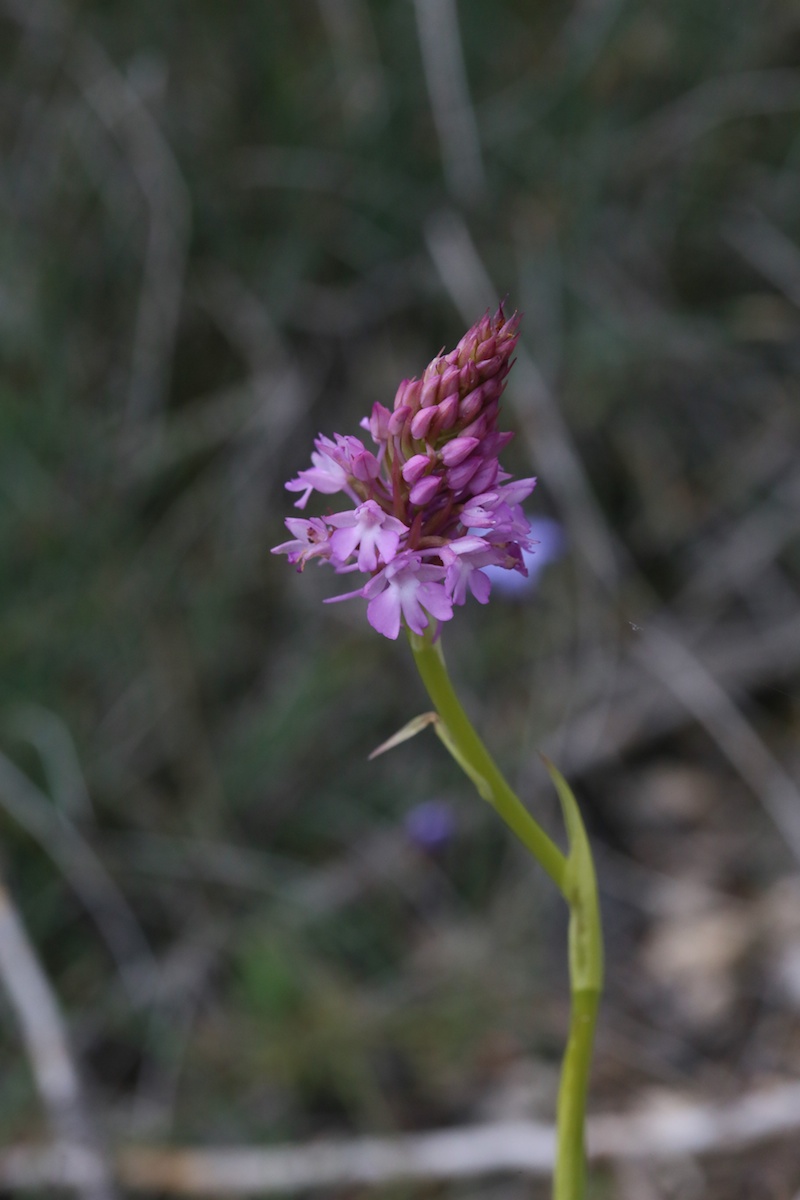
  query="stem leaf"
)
[
  {"x": 409, "y": 730},
  {"x": 585, "y": 937}
]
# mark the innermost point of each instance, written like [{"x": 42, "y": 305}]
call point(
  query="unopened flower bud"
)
[
  {"x": 489, "y": 367},
  {"x": 424, "y": 491},
  {"x": 470, "y": 341},
  {"x": 485, "y": 478},
  {"x": 413, "y": 393},
  {"x": 378, "y": 422},
  {"x": 499, "y": 441},
  {"x": 398, "y": 420},
  {"x": 415, "y": 467},
  {"x": 430, "y": 392},
  {"x": 456, "y": 451},
  {"x": 405, "y": 393},
  {"x": 447, "y": 414},
  {"x": 433, "y": 368},
  {"x": 458, "y": 477},
  {"x": 486, "y": 350},
  {"x": 476, "y": 429},
  {"x": 366, "y": 466},
  {"x": 468, "y": 377},
  {"x": 472, "y": 404},
  {"x": 450, "y": 383},
  {"x": 422, "y": 421},
  {"x": 507, "y": 334}
]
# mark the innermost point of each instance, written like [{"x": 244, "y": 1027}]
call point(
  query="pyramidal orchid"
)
[
  {"x": 431, "y": 505},
  {"x": 432, "y": 518}
]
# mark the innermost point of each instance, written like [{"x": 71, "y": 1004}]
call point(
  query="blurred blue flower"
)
[
  {"x": 431, "y": 826},
  {"x": 552, "y": 542}
]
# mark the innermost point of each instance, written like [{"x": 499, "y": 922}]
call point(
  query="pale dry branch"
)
[
  {"x": 119, "y": 109},
  {"x": 353, "y": 180},
  {"x": 451, "y": 106},
  {"x": 705, "y": 107},
  {"x": 585, "y": 33},
  {"x": 740, "y": 660},
  {"x": 182, "y": 986},
  {"x": 360, "y": 75},
  {"x": 51, "y": 738},
  {"x": 739, "y": 559},
  {"x": 664, "y": 653},
  {"x": 85, "y": 874},
  {"x": 672, "y": 1130},
  {"x": 767, "y": 248},
  {"x": 45, "y": 1039},
  {"x": 265, "y": 408}
]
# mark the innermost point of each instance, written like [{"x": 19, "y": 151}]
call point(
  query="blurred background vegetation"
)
[{"x": 227, "y": 227}]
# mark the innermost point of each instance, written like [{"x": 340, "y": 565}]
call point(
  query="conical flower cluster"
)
[{"x": 431, "y": 504}]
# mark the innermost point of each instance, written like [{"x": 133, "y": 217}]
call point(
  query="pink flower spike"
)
[
  {"x": 435, "y": 465},
  {"x": 407, "y": 589},
  {"x": 369, "y": 529}
]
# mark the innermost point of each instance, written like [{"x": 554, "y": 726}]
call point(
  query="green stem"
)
[
  {"x": 570, "y": 1172},
  {"x": 574, "y": 877},
  {"x": 473, "y": 756}
]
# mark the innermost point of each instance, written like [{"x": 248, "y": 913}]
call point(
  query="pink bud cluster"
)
[{"x": 431, "y": 504}]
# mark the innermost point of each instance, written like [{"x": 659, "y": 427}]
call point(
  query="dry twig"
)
[
  {"x": 54, "y": 1073},
  {"x": 360, "y": 75},
  {"x": 663, "y": 652},
  {"x": 86, "y": 875},
  {"x": 448, "y": 89},
  {"x": 678, "y": 1130}
]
